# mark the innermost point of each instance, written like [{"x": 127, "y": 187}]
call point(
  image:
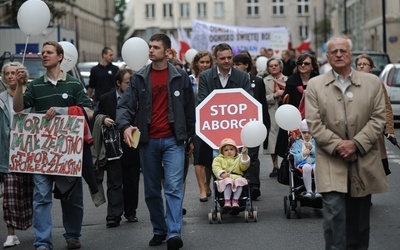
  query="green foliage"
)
[
  {"x": 120, "y": 6},
  {"x": 56, "y": 11}
]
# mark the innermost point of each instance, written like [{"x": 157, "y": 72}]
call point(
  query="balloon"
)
[
  {"x": 288, "y": 117},
  {"x": 135, "y": 52},
  {"x": 253, "y": 134},
  {"x": 189, "y": 55},
  {"x": 261, "y": 64},
  {"x": 33, "y": 17},
  {"x": 70, "y": 56}
]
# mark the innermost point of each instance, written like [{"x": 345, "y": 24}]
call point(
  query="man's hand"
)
[
  {"x": 21, "y": 76},
  {"x": 50, "y": 114},
  {"x": 108, "y": 122},
  {"x": 128, "y": 135},
  {"x": 347, "y": 150}
]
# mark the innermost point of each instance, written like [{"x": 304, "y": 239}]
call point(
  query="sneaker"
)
[
  {"x": 318, "y": 195},
  {"x": 307, "y": 195},
  {"x": 227, "y": 204},
  {"x": 132, "y": 218},
  {"x": 235, "y": 203},
  {"x": 12, "y": 240},
  {"x": 73, "y": 244},
  {"x": 235, "y": 207},
  {"x": 157, "y": 239},
  {"x": 174, "y": 243}
]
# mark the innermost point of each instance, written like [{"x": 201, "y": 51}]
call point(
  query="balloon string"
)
[{"x": 26, "y": 45}]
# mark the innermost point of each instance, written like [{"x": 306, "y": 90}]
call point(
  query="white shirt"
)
[{"x": 224, "y": 79}]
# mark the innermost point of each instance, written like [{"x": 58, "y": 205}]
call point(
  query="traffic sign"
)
[{"x": 223, "y": 113}]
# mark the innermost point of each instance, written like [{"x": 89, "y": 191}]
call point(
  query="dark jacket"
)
[
  {"x": 135, "y": 106},
  {"x": 209, "y": 80},
  {"x": 291, "y": 88}
]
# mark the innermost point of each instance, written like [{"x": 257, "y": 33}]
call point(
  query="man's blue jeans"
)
[
  {"x": 164, "y": 159},
  {"x": 72, "y": 210}
]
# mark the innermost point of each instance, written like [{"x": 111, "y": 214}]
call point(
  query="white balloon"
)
[
  {"x": 288, "y": 117},
  {"x": 70, "y": 55},
  {"x": 253, "y": 134},
  {"x": 33, "y": 17},
  {"x": 189, "y": 55},
  {"x": 135, "y": 52},
  {"x": 261, "y": 64}
]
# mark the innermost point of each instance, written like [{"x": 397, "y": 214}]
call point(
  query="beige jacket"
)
[{"x": 359, "y": 115}]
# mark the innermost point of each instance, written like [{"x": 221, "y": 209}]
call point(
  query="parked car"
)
[
  {"x": 390, "y": 77},
  {"x": 380, "y": 60},
  {"x": 33, "y": 63}
]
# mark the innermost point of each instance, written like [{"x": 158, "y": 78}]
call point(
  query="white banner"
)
[{"x": 205, "y": 35}]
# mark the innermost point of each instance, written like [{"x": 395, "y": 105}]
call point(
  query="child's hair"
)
[{"x": 226, "y": 142}]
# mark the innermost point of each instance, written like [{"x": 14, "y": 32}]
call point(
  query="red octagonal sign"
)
[{"x": 224, "y": 113}]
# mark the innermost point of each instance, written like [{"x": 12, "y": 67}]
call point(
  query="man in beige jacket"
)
[{"x": 345, "y": 110}]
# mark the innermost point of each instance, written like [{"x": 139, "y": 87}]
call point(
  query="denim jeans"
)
[
  {"x": 164, "y": 159},
  {"x": 72, "y": 210}
]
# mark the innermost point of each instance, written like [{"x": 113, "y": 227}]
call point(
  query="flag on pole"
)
[
  {"x": 184, "y": 42},
  {"x": 305, "y": 45},
  {"x": 174, "y": 44}
]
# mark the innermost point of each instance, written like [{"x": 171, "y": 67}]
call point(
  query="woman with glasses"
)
[
  {"x": 365, "y": 64},
  {"x": 18, "y": 187},
  {"x": 275, "y": 84},
  {"x": 306, "y": 68}
]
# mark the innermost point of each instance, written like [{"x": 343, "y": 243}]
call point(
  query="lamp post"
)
[{"x": 384, "y": 24}]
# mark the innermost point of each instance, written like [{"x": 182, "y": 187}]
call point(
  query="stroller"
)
[
  {"x": 245, "y": 204},
  {"x": 295, "y": 200}
]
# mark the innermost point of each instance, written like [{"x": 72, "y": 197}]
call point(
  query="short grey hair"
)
[
  {"x": 275, "y": 59},
  {"x": 328, "y": 43},
  {"x": 17, "y": 64}
]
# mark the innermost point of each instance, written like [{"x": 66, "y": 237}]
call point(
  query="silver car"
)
[{"x": 390, "y": 76}]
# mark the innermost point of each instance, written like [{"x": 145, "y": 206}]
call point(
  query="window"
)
[
  {"x": 303, "y": 7},
  {"x": 219, "y": 9},
  {"x": 253, "y": 7},
  {"x": 202, "y": 10},
  {"x": 278, "y": 8},
  {"x": 167, "y": 10},
  {"x": 185, "y": 10},
  {"x": 150, "y": 10},
  {"x": 303, "y": 31}
]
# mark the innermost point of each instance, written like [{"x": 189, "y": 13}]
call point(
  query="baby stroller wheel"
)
[
  {"x": 288, "y": 209},
  {"x": 219, "y": 217},
  {"x": 246, "y": 216},
  {"x": 210, "y": 218},
  {"x": 298, "y": 209},
  {"x": 255, "y": 216}
]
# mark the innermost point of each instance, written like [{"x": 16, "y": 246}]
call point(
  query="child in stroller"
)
[
  {"x": 303, "y": 151},
  {"x": 228, "y": 167}
]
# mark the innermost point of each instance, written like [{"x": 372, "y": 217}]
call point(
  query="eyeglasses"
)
[
  {"x": 273, "y": 65},
  {"x": 303, "y": 64},
  {"x": 335, "y": 51},
  {"x": 363, "y": 64}
]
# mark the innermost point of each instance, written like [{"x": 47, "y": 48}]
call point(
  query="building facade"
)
[
  {"x": 93, "y": 24},
  {"x": 145, "y": 17}
]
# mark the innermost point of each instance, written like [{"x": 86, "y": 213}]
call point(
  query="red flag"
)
[
  {"x": 305, "y": 45},
  {"x": 185, "y": 43}
]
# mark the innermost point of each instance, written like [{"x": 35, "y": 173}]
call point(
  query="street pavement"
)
[{"x": 272, "y": 231}]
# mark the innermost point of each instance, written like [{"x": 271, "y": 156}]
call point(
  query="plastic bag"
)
[{"x": 112, "y": 142}]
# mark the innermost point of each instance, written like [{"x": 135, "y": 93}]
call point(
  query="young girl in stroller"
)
[
  {"x": 303, "y": 151},
  {"x": 229, "y": 167}
]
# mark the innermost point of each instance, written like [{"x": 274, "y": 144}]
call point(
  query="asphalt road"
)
[{"x": 272, "y": 231}]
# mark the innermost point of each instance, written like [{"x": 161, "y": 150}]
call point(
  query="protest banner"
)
[
  {"x": 41, "y": 146},
  {"x": 205, "y": 35}
]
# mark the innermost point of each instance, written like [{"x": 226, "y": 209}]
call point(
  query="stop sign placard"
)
[{"x": 224, "y": 113}]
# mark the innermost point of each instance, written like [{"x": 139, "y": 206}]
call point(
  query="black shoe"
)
[
  {"x": 255, "y": 193},
  {"x": 132, "y": 218},
  {"x": 274, "y": 173},
  {"x": 205, "y": 199},
  {"x": 183, "y": 211},
  {"x": 157, "y": 239},
  {"x": 174, "y": 243},
  {"x": 73, "y": 244},
  {"x": 112, "y": 223}
]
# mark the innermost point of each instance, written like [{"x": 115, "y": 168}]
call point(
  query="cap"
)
[
  {"x": 227, "y": 141},
  {"x": 303, "y": 126}
]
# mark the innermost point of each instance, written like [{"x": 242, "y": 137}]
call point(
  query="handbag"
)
[
  {"x": 283, "y": 172},
  {"x": 112, "y": 142}
]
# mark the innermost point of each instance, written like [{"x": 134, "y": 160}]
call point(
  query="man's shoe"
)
[
  {"x": 274, "y": 173},
  {"x": 73, "y": 244},
  {"x": 112, "y": 223},
  {"x": 157, "y": 239},
  {"x": 12, "y": 240},
  {"x": 41, "y": 248},
  {"x": 174, "y": 243},
  {"x": 255, "y": 193},
  {"x": 132, "y": 218}
]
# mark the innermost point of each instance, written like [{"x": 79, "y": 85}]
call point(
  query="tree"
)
[
  {"x": 120, "y": 6},
  {"x": 320, "y": 32},
  {"x": 12, "y": 8}
]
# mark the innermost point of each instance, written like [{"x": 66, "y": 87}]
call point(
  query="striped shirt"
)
[{"x": 42, "y": 94}]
